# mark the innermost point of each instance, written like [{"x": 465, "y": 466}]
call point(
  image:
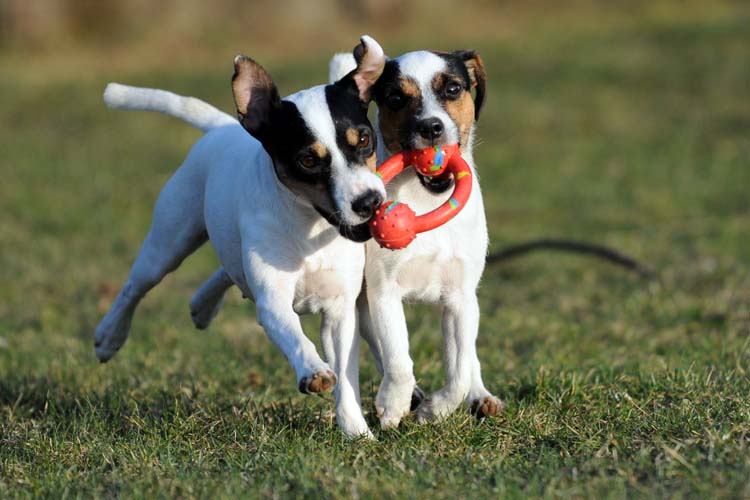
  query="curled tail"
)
[{"x": 193, "y": 111}]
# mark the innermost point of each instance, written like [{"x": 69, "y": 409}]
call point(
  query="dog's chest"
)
[
  {"x": 423, "y": 279},
  {"x": 316, "y": 289},
  {"x": 329, "y": 278},
  {"x": 439, "y": 262}
]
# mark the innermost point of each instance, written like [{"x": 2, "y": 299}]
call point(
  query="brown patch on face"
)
[
  {"x": 410, "y": 88},
  {"x": 392, "y": 123},
  {"x": 460, "y": 110},
  {"x": 372, "y": 162},
  {"x": 319, "y": 149},
  {"x": 352, "y": 137}
]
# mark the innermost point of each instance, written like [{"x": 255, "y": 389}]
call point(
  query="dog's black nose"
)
[
  {"x": 430, "y": 128},
  {"x": 365, "y": 205}
]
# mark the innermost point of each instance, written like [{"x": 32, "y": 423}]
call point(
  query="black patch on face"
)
[
  {"x": 398, "y": 109},
  {"x": 349, "y": 112},
  {"x": 291, "y": 144},
  {"x": 359, "y": 233},
  {"x": 389, "y": 94},
  {"x": 288, "y": 140},
  {"x": 456, "y": 68}
]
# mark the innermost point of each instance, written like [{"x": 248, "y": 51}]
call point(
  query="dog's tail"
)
[
  {"x": 341, "y": 65},
  {"x": 193, "y": 111}
]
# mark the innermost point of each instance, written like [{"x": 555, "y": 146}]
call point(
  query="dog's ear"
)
[
  {"x": 478, "y": 76},
  {"x": 255, "y": 94},
  {"x": 370, "y": 63}
]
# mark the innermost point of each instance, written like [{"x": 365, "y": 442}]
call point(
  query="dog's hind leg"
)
[
  {"x": 365, "y": 330},
  {"x": 177, "y": 231},
  {"x": 206, "y": 303}
]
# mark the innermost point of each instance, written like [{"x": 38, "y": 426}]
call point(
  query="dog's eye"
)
[
  {"x": 364, "y": 140},
  {"x": 307, "y": 161},
  {"x": 453, "y": 89},
  {"x": 395, "y": 100}
]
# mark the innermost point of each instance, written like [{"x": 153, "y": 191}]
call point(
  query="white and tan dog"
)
[
  {"x": 424, "y": 99},
  {"x": 284, "y": 199}
]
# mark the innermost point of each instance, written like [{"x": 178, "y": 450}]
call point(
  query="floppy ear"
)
[
  {"x": 478, "y": 76},
  {"x": 255, "y": 94},
  {"x": 370, "y": 63}
]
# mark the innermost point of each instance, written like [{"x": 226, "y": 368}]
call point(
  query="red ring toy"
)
[{"x": 395, "y": 225}]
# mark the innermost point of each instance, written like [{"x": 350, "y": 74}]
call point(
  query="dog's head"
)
[
  {"x": 424, "y": 99},
  {"x": 320, "y": 139}
]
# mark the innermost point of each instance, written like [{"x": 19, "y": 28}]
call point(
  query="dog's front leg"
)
[
  {"x": 283, "y": 327},
  {"x": 366, "y": 331},
  {"x": 341, "y": 345},
  {"x": 389, "y": 326},
  {"x": 273, "y": 290},
  {"x": 460, "y": 326},
  {"x": 480, "y": 401}
]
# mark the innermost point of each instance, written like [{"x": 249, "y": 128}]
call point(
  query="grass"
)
[{"x": 636, "y": 136}]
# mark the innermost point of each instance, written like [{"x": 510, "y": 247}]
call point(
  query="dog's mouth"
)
[
  {"x": 435, "y": 185},
  {"x": 438, "y": 184},
  {"x": 359, "y": 233}
]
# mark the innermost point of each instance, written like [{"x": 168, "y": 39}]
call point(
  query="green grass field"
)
[{"x": 635, "y": 134}]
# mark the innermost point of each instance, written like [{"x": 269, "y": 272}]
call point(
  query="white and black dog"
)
[
  {"x": 424, "y": 99},
  {"x": 285, "y": 208}
]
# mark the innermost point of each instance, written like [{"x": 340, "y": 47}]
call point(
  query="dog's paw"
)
[
  {"x": 390, "y": 419},
  {"x": 438, "y": 406},
  {"x": 317, "y": 382},
  {"x": 354, "y": 426},
  {"x": 393, "y": 401},
  {"x": 488, "y": 406},
  {"x": 432, "y": 410},
  {"x": 203, "y": 313},
  {"x": 110, "y": 336}
]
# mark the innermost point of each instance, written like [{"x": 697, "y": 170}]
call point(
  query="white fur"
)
[
  {"x": 272, "y": 244},
  {"x": 197, "y": 113},
  {"x": 341, "y": 65},
  {"x": 442, "y": 266}
]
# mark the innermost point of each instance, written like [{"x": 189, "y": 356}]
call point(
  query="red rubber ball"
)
[{"x": 393, "y": 225}]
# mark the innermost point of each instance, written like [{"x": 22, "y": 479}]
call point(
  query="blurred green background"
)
[{"x": 623, "y": 123}]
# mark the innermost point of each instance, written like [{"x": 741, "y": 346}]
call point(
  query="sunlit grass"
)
[{"x": 633, "y": 134}]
